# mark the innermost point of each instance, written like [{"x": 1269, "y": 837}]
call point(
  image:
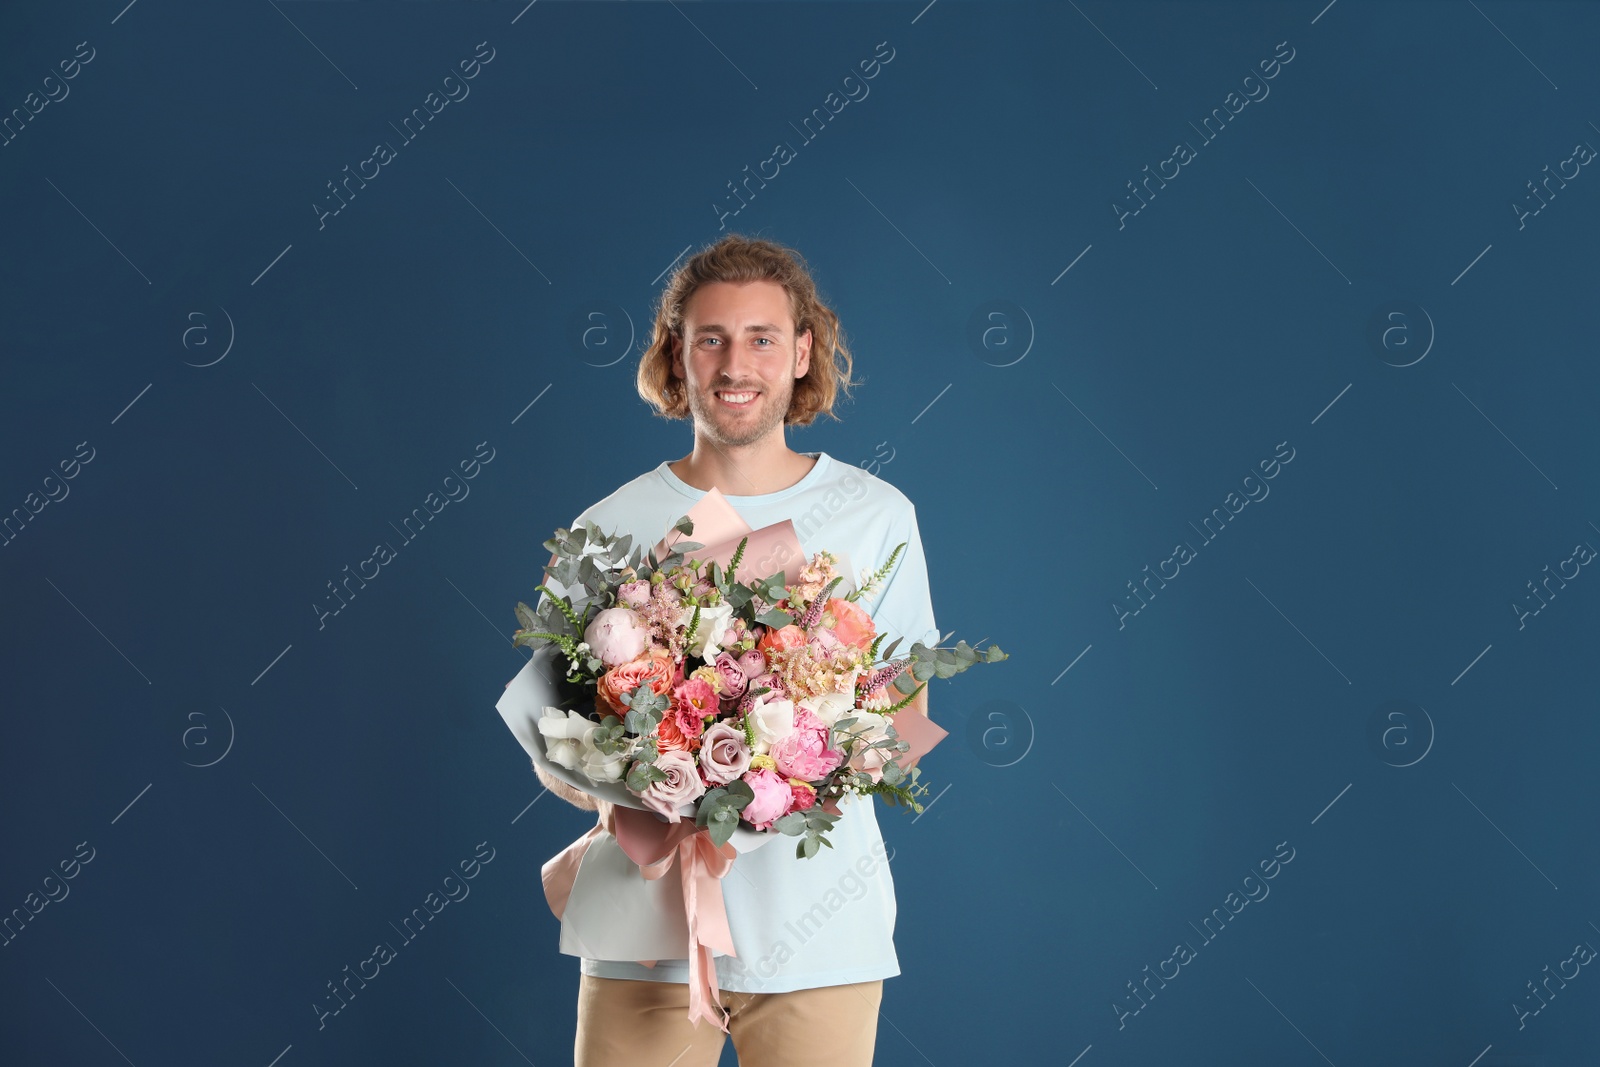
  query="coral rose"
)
[
  {"x": 851, "y": 624},
  {"x": 782, "y": 639},
  {"x": 654, "y": 668},
  {"x": 671, "y": 736}
]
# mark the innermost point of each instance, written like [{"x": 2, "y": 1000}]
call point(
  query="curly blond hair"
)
[{"x": 736, "y": 258}]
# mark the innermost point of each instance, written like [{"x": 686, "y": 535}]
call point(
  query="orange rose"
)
[
  {"x": 782, "y": 639},
  {"x": 669, "y": 737},
  {"x": 616, "y": 685},
  {"x": 851, "y": 624}
]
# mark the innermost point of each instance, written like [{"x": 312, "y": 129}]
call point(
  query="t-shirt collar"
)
[{"x": 816, "y": 474}]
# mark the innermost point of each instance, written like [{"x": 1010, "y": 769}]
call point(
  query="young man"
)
[{"x": 744, "y": 346}]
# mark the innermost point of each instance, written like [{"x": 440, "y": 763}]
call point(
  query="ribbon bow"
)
[{"x": 656, "y": 846}]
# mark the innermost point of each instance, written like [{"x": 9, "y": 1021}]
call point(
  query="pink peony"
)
[
  {"x": 773, "y": 798},
  {"x": 681, "y": 786},
  {"x": 724, "y": 755},
  {"x": 634, "y": 594},
  {"x": 804, "y": 752},
  {"x": 617, "y": 635}
]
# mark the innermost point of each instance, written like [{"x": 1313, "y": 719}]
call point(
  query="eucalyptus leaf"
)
[{"x": 792, "y": 824}]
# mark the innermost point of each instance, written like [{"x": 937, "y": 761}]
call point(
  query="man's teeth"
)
[{"x": 737, "y": 398}]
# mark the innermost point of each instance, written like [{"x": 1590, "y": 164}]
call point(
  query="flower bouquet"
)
[{"x": 740, "y": 684}]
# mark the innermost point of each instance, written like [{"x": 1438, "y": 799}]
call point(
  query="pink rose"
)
[
  {"x": 634, "y": 594},
  {"x": 617, "y": 635},
  {"x": 753, "y": 663},
  {"x": 773, "y": 798},
  {"x": 733, "y": 677},
  {"x": 681, "y": 786},
  {"x": 723, "y": 754},
  {"x": 804, "y": 752}
]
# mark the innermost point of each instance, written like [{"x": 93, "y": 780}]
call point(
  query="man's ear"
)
[
  {"x": 802, "y": 361},
  {"x": 677, "y": 356}
]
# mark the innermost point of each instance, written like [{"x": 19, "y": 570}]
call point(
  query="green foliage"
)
[
  {"x": 720, "y": 807},
  {"x": 876, "y": 578},
  {"x": 642, "y": 773},
  {"x": 645, "y": 708}
]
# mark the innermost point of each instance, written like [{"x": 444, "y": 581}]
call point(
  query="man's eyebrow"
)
[{"x": 759, "y": 327}]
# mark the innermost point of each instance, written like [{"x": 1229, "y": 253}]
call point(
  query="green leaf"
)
[
  {"x": 775, "y": 617},
  {"x": 792, "y": 824}
]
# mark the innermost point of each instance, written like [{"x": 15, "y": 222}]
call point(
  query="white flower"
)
[
  {"x": 831, "y": 707},
  {"x": 770, "y": 721},
  {"x": 714, "y": 621},
  {"x": 569, "y": 742}
]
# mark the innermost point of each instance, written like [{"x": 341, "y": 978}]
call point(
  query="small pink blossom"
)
[{"x": 692, "y": 701}]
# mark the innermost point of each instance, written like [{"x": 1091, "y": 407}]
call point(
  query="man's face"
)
[{"x": 739, "y": 360}]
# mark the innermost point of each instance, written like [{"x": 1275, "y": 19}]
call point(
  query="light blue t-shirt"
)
[{"x": 829, "y": 919}]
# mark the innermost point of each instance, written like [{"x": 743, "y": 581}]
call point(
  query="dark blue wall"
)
[{"x": 1351, "y": 276}]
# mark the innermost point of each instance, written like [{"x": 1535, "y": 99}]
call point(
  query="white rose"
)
[
  {"x": 569, "y": 742},
  {"x": 770, "y": 721},
  {"x": 714, "y": 621},
  {"x": 830, "y": 707}
]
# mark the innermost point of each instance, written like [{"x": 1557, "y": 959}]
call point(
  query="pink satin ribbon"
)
[{"x": 655, "y": 846}]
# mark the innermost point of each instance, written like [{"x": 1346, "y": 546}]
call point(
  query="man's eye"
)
[{"x": 766, "y": 339}]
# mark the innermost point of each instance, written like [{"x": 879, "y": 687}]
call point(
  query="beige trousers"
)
[{"x": 627, "y": 1023}]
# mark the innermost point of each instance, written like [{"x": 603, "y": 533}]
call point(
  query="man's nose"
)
[{"x": 739, "y": 363}]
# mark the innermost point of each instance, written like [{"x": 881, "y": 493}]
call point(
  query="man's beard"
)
[{"x": 708, "y": 411}]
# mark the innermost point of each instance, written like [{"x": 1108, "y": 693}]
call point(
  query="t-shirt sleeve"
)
[{"x": 903, "y": 607}]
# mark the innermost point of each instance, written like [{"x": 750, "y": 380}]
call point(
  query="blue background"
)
[{"x": 1342, "y": 670}]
